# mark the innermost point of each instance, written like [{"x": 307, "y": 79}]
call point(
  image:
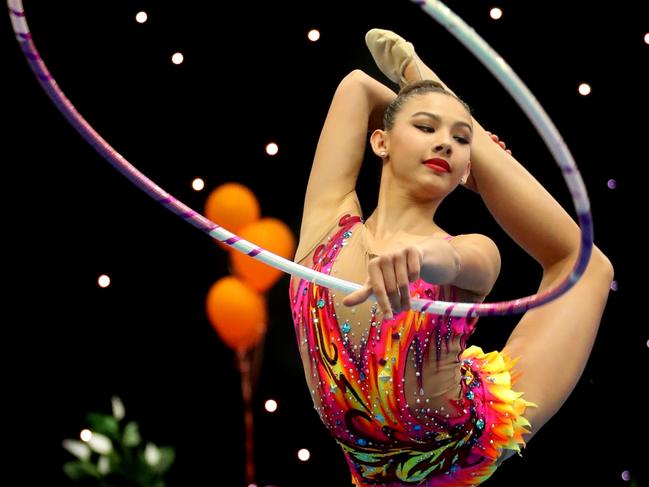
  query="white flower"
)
[
  {"x": 118, "y": 408},
  {"x": 100, "y": 443},
  {"x": 152, "y": 454},
  {"x": 103, "y": 465},
  {"x": 78, "y": 449}
]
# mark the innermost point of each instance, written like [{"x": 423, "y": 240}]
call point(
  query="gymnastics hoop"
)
[{"x": 456, "y": 26}]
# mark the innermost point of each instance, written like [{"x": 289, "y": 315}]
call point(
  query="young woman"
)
[{"x": 401, "y": 393}]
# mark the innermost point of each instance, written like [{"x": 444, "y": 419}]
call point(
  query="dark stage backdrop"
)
[{"x": 250, "y": 76}]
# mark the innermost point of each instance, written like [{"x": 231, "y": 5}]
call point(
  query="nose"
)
[{"x": 443, "y": 148}]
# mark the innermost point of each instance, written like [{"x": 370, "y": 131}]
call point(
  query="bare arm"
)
[
  {"x": 470, "y": 262},
  {"x": 536, "y": 222},
  {"x": 357, "y": 106}
]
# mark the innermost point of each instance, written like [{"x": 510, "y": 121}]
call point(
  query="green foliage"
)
[{"x": 114, "y": 455}]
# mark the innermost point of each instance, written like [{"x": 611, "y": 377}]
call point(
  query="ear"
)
[
  {"x": 379, "y": 144},
  {"x": 467, "y": 173}
]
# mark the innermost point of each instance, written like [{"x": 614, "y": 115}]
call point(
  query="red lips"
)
[{"x": 439, "y": 165}]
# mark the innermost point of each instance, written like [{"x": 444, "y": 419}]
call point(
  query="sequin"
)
[{"x": 355, "y": 380}]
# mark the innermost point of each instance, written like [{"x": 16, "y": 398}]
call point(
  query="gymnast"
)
[{"x": 403, "y": 395}]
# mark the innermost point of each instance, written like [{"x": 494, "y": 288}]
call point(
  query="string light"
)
[
  {"x": 495, "y": 13},
  {"x": 103, "y": 281},
  {"x": 271, "y": 405},
  {"x": 198, "y": 184},
  {"x": 177, "y": 58},
  {"x": 141, "y": 17}
]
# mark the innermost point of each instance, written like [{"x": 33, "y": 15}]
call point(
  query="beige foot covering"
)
[{"x": 391, "y": 53}]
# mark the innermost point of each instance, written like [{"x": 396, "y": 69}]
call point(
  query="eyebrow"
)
[{"x": 438, "y": 118}]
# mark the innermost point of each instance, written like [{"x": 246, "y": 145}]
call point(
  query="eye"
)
[
  {"x": 462, "y": 140},
  {"x": 425, "y": 128}
]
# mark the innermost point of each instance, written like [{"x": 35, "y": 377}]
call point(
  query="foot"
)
[{"x": 392, "y": 54}]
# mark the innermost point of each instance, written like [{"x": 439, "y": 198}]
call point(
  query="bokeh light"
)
[
  {"x": 141, "y": 17},
  {"x": 495, "y": 13},
  {"x": 103, "y": 281}
]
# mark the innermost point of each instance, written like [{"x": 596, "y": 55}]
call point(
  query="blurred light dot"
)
[
  {"x": 141, "y": 17},
  {"x": 313, "y": 35},
  {"x": 495, "y": 13},
  {"x": 647, "y": 343},
  {"x": 198, "y": 184},
  {"x": 611, "y": 183},
  {"x": 85, "y": 435},
  {"x": 613, "y": 285},
  {"x": 303, "y": 454},
  {"x": 584, "y": 89},
  {"x": 272, "y": 149},
  {"x": 177, "y": 58},
  {"x": 646, "y": 38},
  {"x": 626, "y": 475},
  {"x": 271, "y": 405},
  {"x": 252, "y": 485},
  {"x": 103, "y": 281}
]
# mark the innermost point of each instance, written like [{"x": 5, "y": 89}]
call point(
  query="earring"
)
[{"x": 383, "y": 153}]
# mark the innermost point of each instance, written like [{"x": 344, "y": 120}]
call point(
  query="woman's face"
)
[{"x": 430, "y": 143}]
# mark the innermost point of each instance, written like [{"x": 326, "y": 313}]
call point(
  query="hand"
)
[
  {"x": 497, "y": 140},
  {"x": 388, "y": 278},
  {"x": 470, "y": 182}
]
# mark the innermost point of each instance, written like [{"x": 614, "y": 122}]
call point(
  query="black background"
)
[{"x": 250, "y": 76}]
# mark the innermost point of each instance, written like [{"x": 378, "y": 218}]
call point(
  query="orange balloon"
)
[
  {"x": 232, "y": 206},
  {"x": 237, "y": 312},
  {"x": 270, "y": 234}
]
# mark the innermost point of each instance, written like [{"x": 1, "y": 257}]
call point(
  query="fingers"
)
[
  {"x": 414, "y": 258},
  {"x": 359, "y": 296},
  {"x": 402, "y": 296},
  {"x": 497, "y": 140},
  {"x": 388, "y": 279},
  {"x": 413, "y": 263},
  {"x": 380, "y": 284}
]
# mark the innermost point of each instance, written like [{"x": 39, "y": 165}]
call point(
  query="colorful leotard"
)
[{"x": 360, "y": 390}]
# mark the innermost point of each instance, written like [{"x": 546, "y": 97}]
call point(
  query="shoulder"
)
[
  {"x": 476, "y": 240},
  {"x": 479, "y": 262}
]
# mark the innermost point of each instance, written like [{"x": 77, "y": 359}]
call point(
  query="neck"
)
[{"x": 398, "y": 212}]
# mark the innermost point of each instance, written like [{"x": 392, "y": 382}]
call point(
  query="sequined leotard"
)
[{"x": 407, "y": 401}]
